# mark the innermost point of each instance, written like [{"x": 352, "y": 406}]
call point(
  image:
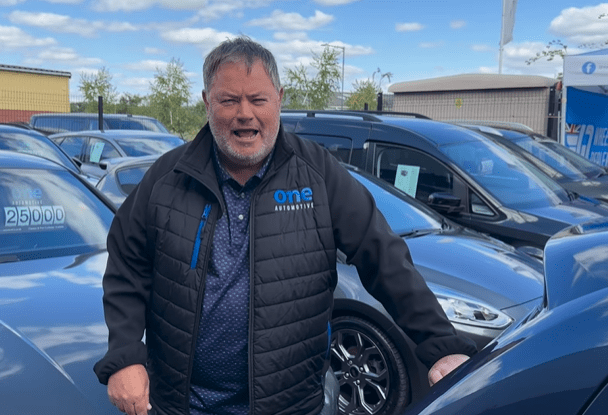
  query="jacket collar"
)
[{"x": 197, "y": 160}]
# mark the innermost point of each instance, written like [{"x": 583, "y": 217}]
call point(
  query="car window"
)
[
  {"x": 402, "y": 215},
  {"x": 144, "y": 146},
  {"x": 590, "y": 169},
  {"x": 416, "y": 173},
  {"x": 39, "y": 146},
  {"x": 48, "y": 213},
  {"x": 548, "y": 156},
  {"x": 515, "y": 182},
  {"x": 130, "y": 177},
  {"x": 339, "y": 147},
  {"x": 99, "y": 149},
  {"x": 72, "y": 146}
]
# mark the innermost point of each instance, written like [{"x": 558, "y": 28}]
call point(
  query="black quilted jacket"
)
[{"x": 306, "y": 206}]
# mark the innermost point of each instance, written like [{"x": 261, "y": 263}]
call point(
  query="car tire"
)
[{"x": 370, "y": 370}]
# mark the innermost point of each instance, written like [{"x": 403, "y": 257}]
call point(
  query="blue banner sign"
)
[{"x": 587, "y": 125}]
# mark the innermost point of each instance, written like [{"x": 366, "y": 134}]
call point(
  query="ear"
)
[
  {"x": 205, "y": 100},
  {"x": 281, "y": 95}
]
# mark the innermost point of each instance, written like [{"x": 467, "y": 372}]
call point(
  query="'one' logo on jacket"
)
[{"x": 288, "y": 200}]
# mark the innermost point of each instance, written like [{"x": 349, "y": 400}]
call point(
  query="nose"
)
[{"x": 245, "y": 110}]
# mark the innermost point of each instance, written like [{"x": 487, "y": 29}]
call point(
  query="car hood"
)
[
  {"x": 523, "y": 369},
  {"x": 595, "y": 188},
  {"x": 473, "y": 263},
  {"x": 579, "y": 210},
  {"x": 51, "y": 312}
]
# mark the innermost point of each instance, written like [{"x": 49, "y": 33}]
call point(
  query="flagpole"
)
[{"x": 502, "y": 28}]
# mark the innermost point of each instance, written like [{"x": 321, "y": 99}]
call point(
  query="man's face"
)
[{"x": 244, "y": 112}]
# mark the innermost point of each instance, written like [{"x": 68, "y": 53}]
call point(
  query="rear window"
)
[{"x": 49, "y": 213}]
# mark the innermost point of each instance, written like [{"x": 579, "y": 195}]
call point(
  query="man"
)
[{"x": 226, "y": 255}]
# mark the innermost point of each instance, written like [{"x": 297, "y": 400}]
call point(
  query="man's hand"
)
[
  {"x": 128, "y": 390},
  {"x": 444, "y": 366}
]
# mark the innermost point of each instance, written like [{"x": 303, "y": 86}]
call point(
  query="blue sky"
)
[{"x": 412, "y": 39}]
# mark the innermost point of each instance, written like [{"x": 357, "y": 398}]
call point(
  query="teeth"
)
[{"x": 248, "y": 133}]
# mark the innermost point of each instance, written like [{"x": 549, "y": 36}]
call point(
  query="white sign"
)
[
  {"x": 406, "y": 179},
  {"x": 585, "y": 70}
]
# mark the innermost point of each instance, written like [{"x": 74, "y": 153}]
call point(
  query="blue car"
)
[
  {"x": 52, "y": 256},
  {"x": 484, "y": 286},
  {"x": 552, "y": 362}
]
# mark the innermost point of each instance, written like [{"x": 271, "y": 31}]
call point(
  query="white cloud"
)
[
  {"x": 134, "y": 83},
  {"x": 457, "y": 24},
  {"x": 408, "y": 27},
  {"x": 334, "y": 2},
  {"x": 154, "y": 51},
  {"x": 147, "y": 65},
  {"x": 14, "y": 38},
  {"x": 65, "y": 24},
  {"x": 10, "y": 2},
  {"x": 67, "y": 56},
  {"x": 430, "y": 45},
  {"x": 280, "y": 20},
  {"x": 132, "y": 5},
  {"x": 287, "y": 36},
  {"x": 64, "y": 1},
  {"x": 482, "y": 48},
  {"x": 582, "y": 25},
  {"x": 515, "y": 56},
  {"x": 205, "y": 38}
]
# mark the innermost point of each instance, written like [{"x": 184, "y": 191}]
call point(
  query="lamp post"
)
[{"x": 343, "y": 57}]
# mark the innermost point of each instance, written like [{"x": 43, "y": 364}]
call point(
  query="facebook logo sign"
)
[{"x": 588, "y": 68}]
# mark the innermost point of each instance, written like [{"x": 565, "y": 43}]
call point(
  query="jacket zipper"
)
[
  {"x": 199, "y": 236},
  {"x": 199, "y": 301}
]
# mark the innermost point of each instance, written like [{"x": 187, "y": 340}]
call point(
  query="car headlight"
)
[{"x": 474, "y": 314}]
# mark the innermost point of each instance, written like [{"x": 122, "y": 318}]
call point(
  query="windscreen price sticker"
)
[{"x": 26, "y": 216}]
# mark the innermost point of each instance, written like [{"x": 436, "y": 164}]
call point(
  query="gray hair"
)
[{"x": 239, "y": 49}]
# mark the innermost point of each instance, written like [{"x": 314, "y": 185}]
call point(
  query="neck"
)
[{"x": 239, "y": 173}]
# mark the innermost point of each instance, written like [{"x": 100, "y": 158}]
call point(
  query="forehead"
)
[{"x": 233, "y": 76}]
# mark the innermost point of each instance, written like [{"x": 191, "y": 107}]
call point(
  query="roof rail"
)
[{"x": 364, "y": 115}]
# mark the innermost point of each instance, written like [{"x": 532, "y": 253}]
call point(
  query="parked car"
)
[
  {"x": 52, "y": 255},
  {"x": 589, "y": 168},
  {"x": 93, "y": 147},
  {"x": 484, "y": 286},
  {"x": 53, "y": 123},
  {"x": 122, "y": 175},
  {"x": 554, "y": 361},
  {"x": 454, "y": 170},
  {"x": 560, "y": 169},
  {"x": 25, "y": 140}
]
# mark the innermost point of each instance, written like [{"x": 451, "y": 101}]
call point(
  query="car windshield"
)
[
  {"x": 550, "y": 157},
  {"x": 144, "y": 146},
  {"x": 37, "y": 146},
  {"x": 136, "y": 124},
  {"x": 515, "y": 182},
  {"x": 590, "y": 169},
  {"x": 49, "y": 213},
  {"x": 404, "y": 214}
]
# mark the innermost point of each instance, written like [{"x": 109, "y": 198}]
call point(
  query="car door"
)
[{"x": 96, "y": 150}]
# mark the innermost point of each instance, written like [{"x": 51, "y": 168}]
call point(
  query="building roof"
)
[
  {"x": 474, "y": 81},
  {"x": 11, "y": 68}
]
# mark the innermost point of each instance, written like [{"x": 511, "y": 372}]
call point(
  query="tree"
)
[
  {"x": 303, "y": 92},
  {"x": 94, "y": 85},
  {"x": 557, "y": 48},
  {"x": 366, "y": 92},
  {"x": 169, "y": 97}
]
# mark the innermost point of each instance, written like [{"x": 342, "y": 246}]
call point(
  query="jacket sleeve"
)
[
  {"x": 126, "y": 285},
  {"x": 386, "y": 268}
]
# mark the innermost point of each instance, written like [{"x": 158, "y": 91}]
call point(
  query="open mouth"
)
[{"x": 246, "y": 133}]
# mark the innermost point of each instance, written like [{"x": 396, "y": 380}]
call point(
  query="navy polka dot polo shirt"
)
[{"x": 219, "y": 382}]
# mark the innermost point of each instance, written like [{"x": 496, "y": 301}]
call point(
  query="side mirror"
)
[{"x": 445, "y": 203}]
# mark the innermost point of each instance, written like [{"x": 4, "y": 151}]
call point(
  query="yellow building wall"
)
[{"x": 34, "y": 92}]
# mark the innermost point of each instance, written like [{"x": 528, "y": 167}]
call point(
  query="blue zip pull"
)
[{"x": 199, "y": 235}]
